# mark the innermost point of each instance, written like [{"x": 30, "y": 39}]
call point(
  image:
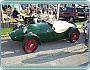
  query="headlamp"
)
[{"x": 24, "y": 30}]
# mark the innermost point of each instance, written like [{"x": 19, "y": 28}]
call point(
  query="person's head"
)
[
  {"x": 52, "y": 9},
  {"x": 32, "y": 11},
  {"x": 49, "y": 12},
  {"x": 5, "y": 9},
  {"x": 38, "y": 9},
  {"x": 31, "y": 5},
  {"x": 15, "y": 8},
  {"x": 23, "y": 5},
  {"x": 27, "y": 8},
  {"x": 9, "y": 7}
]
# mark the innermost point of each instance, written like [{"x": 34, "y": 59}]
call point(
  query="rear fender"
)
[{"x": 32, "y": 35}]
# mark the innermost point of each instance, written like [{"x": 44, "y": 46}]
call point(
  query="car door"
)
[
  {"x": 47, "y": 34},
  {"x": 44, "y": 32},
  {"x": 70, "y": 11},
  {"x": 67, "y": 12}
]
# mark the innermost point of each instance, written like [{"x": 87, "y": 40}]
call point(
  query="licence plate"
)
[{"x": 81, "y": 17}]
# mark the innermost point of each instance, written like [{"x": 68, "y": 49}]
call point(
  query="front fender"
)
[
  {"x": 72, "y": 29},
  {"x": 33, "y": 35}
]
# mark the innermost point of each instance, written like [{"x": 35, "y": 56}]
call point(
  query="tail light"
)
[
  {"x": 76, "y": 14},
  {"x": 87, "y": 21}
]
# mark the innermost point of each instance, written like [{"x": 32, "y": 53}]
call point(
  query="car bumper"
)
[{"x": 80, "y": 18}]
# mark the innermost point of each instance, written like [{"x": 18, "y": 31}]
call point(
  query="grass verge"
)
[
  {"x": 79, "y": 23},
  {"x": 5, "y": 31}
]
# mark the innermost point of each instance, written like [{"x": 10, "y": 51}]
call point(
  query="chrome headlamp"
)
[
  {"x": 24, "y": 30},
  {"x": 18, "y": 24}
]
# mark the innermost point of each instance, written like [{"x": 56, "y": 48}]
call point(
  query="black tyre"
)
[
  {"x": 71, "y": 19},
  {"x": 30, "y": 44},
  {"x": 74, "y": 36}
]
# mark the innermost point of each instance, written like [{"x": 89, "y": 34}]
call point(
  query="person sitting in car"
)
[
  {"x": 34, "y": 16},
  {"x": 50, "y": 17}
]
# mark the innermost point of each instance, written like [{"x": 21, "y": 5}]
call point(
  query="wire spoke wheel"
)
[
  {"x": 30, "y": 44},
  {"x": 74, "y": 36}
]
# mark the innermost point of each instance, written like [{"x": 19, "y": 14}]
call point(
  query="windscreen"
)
[{"x": 79, "y": 10}]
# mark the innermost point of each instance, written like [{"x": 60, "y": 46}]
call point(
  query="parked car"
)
[
  {"x": 35, "y": 34},
  {"x": 72, "y": 13}
]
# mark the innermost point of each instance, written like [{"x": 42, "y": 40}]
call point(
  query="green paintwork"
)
[
  {"x": 17, "y": 35},
  {"x": 43, "y": 31},
  {"x": 32, "y": 35}
]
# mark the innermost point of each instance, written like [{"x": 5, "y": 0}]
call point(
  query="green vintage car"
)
[{"x": 35, "y": 34}]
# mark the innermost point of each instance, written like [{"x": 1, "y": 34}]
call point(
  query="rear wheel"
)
[
  {"x": 30, "y": 44},
  {"x": 74, "y": 36}
]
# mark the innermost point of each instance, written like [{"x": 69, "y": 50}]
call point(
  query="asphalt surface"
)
[{"x": 58, "y": 53}]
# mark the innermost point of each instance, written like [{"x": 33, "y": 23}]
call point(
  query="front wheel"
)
[
  {"x": 30, "y": 44},
  {"x": 74, "y": 36}
]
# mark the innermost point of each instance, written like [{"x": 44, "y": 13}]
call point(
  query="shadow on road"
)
[
  {"x": 11, "y": 48},
  {"x": 43, "y": 58},
  {"x": 85, "y": 64}
]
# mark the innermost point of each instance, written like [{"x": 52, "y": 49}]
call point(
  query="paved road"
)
[{"x": 58, "y": 53}]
